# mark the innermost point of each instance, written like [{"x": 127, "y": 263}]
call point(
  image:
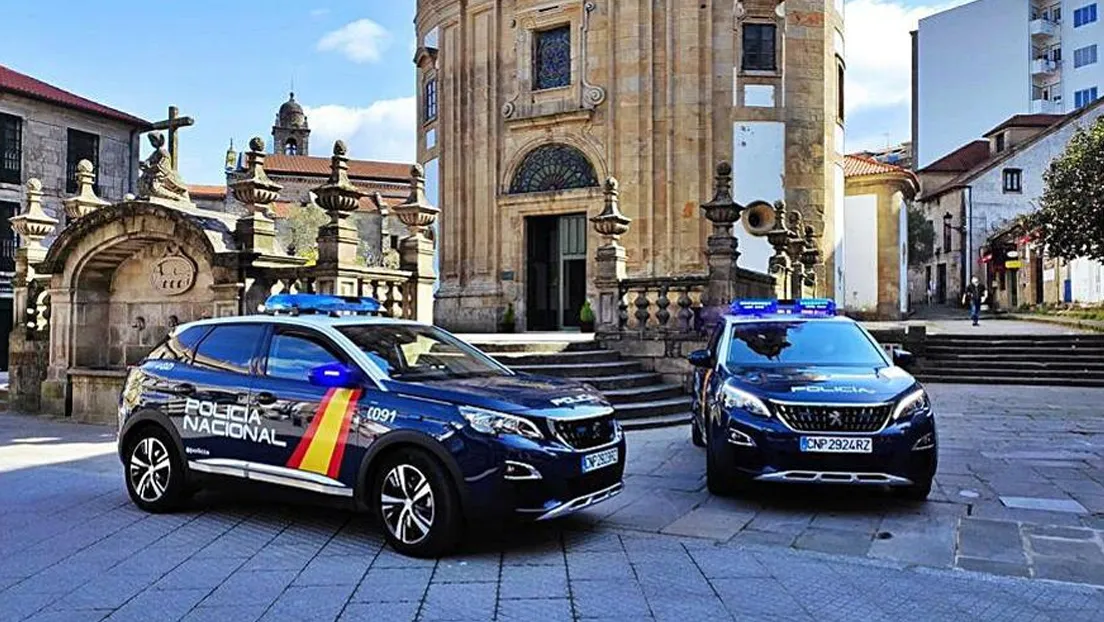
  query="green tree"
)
[
  {"x": 921, "y": 236},
  {"x": 1070, "y": 218},
  {"x": 301, "y": 231}
]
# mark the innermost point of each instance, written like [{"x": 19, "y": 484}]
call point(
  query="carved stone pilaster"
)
[
  {"x": 592, "y": 95},
  {"x": 611, "y": 259}
]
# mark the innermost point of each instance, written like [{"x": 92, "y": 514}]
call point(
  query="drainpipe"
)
[
  {"x": 968, "y": 231},
  {"x": 130, "y": 163}
]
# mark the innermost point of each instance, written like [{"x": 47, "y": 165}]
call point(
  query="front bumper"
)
[{"x": 902, "y": 454}]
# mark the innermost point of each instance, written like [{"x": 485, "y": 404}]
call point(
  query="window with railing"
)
[
  {"x": 11, "y": 149},
  {"x": 81, "y": 146}
]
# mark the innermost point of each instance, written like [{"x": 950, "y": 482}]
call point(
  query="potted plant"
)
[
  {"x": 586, "y": 318},
  {"x": 508, "y": 320}
]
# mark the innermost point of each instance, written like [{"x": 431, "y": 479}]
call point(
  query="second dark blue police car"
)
[
  {"x": 787, "y": 391},
  {"x": 400, "y": 418}
]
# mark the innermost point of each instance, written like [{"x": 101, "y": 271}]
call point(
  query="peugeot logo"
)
[{"x": 836, "y": 418}]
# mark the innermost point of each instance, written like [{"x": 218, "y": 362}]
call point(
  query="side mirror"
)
[
  {"x": 335, "y": 376},
  {"x": 700, "y": 358},
  {"x": 903, "y": 358}
]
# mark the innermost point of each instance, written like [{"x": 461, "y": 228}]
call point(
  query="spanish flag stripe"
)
[
  {"x": 343, "y": 435},
  {"x": 304, "y": 443},
  {"x": 327, "y": 436}
]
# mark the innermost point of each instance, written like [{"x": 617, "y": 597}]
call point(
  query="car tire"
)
[
  {"x": 696, "y": 436},
  {"x": 916, "y": 492},
  {"x": 154, "y": 471},
  {"x": 416, "y": 503},
  {"x": 717, "y": 480}
]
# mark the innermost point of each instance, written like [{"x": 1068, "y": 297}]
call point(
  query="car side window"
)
[
  {"x": 292, "y": 355},
  {"x": 715, "y": 341},
  {"x": 179, "y": 347},
  {"x": 229, "y": 347}
]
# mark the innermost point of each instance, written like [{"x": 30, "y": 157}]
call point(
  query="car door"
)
[
  {"x": 217, "y": 426},
  {"x": 314, "y": 421}
]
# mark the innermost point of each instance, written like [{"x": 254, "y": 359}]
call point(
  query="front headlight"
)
[
  {"x": 732, "y": 398},
  {"x": 914, "y": 403},
  {"x": 496, "y": 423}
]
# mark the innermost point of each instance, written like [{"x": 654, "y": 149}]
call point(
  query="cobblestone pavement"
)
[{"x": 73, "y": 548}]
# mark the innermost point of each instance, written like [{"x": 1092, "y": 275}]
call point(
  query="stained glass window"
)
[
  {"x": 552, "y": 58},
  {"x": 553, "y": 167}
]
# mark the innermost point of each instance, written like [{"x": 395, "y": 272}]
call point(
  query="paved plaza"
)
[{"x": 1013, "y": 531}]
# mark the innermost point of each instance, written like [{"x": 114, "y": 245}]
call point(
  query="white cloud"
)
[
  {"x": 362, "y": 41},
  {"x": 879, "y": 50},
  {"x": 384, "y": 130}
]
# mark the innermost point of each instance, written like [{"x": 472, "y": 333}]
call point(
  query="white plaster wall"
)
[
  {"x": 860, "y": 254},
  {"x": 1087, "y": 281},
  {"x": 840, "y": 242},
  {"x": 973, "y": 73},
  {"x": 1088, "y": 76},
  {"x": 757, "y": 167}
]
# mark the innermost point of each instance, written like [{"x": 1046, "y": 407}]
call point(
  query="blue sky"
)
[{"x": 230, "y": 65}]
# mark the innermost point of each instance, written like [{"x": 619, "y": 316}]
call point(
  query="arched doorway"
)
[{"x": 555, "y": 245}]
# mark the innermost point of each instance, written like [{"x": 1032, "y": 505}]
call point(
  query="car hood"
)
[
  {"x": 828, "y": 385},
  {"x": 517, "y": 394}
]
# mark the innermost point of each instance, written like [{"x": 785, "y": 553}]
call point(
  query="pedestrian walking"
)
[
  {"x": 975, "y": 295},
  {"x": 930, "y": 293}
]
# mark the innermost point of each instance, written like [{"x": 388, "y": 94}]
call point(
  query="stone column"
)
[
  {"x": 27, "y": 350},
  {"x": 85, "y": 201},
  {"x": 338, "y": 240},
  {"x": 722, "y": 247},
  {"x": 416, "y": 251},
  {"x": 612, "y": 224},
  {"x": 257, "y": 231}
]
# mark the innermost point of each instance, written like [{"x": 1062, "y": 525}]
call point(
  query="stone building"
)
[
  {"x": 44, "y": 132},
  {"x": 291, "y": 165},
  {"x": 527, "y": 106}
]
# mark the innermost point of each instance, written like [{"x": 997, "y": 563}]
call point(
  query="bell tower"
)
[{"x": 291, "y": 134}]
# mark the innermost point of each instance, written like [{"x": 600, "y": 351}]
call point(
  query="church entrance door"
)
[{"x": 555, "y": 271}]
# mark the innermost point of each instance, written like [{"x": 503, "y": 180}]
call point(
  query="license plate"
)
[
  {"x": 602, "y": 459},
  {"x": 836, "y": 444}
]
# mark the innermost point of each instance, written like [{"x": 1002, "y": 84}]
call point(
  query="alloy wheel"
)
[
  {"x": 407, "y": 504},
  {"x": 150, "y": 469}
]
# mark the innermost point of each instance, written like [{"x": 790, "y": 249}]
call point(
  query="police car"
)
[
  {"x": 789, "y": 392},
  {"x": 400, "y": 418}
]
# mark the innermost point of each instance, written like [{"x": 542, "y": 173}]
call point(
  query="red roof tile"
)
[
  {"x": 1027, "y": 120},
  {"x": 857, "y": 165},
  {"x": 312, "y": 166},
  {"x": 962, "y": 159},
  {"x": 14, "y": 82},
  {"x": 207, "y": 192}
]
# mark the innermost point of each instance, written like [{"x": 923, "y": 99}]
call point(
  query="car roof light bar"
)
[
  {"x": 805, "y": 307},
  {"x": 320, "y": 304}
]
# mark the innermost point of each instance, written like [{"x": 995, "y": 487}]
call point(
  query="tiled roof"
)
[
  {"x": 1027, "y": 120},
  {"x": 962, "y": 159},
  {"x": 858, "y": 165},
  {"x": 207, "y": 192},
  {"x": 12, "y": 81},
  {"x": 320, "y": 167}
]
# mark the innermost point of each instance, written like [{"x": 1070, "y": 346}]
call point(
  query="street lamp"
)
[{"x": 947, "y": 226}]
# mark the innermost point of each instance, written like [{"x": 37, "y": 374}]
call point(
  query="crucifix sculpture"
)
[{"x": 172, "y": 124}]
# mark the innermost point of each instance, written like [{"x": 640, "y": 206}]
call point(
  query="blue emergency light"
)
[
  {"x": 807, "y": 307},
  {"x": 320, "y": 304}
]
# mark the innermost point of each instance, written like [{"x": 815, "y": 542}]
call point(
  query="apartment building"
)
[{"x": 982, "y": 62}]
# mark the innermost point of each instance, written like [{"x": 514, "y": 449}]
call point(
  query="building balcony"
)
[
  {"x": 1042, "y": 28},
  {"x": 1045, "y": 106},
  {"x": 1044, "y": 66}
]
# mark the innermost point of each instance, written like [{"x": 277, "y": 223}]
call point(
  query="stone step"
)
[
  {"x": 1017, "y": 351},
  {"x": 1013, "y": 339},
  {"x": 999, "y": 372},
  {"x": 512, "y": 359},
  {"x": 643, "y": 394},
  {"x": 492, "y": 347},
  {"x": 576, "y": 370},
  {"x": 651, "y": 423},
  {"x": 657, "y": 408},
  {"x": 999, "y": 363},
  {"x": 1063, "y": 381},
  {"x": 623, "y": 381}
]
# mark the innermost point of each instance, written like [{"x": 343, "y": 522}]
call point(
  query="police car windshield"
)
[
  {"x": 419, "y": 353},
  {"x": 801, "y": 343}
]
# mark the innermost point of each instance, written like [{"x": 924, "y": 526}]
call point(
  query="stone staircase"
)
[
  {"x": 1045, "y": 360},
  {"x": 641, "y": 399}
]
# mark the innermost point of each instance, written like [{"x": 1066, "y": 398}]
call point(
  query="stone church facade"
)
[{"x": 527, "y": 106}]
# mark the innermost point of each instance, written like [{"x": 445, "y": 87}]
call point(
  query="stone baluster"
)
[
  {"x": 663, "y": 316},
  {"x": 256, "y": 231},
  {"x": 685, "y": 315},
  {"x": 416, "y": 251},
  {"x": 611, "y": 224},
  {"x": 338, "y": 240},
  {"x": 810, "y": 256},
  {"x": 796, "y": 250},
  {"x": 622, "y": 311},
  {"x": 85, "y": 201},
  {"x": 780, "y": 265}
]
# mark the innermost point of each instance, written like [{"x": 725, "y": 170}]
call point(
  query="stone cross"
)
[{"x": 172, "y": 124}]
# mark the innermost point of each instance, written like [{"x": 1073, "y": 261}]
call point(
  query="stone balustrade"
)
[{"x": 660, "y": 305}]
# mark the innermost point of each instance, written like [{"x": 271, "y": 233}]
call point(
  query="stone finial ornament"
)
[
  {"x": 256, "y": 191},
  {"x": 416, "y": 212},
  {"x": 722, "y": 211},
  {"x": 34, "y": 224},
  {"x": 159, "y": 179},
  {"x": 611, "y": 223},
  {"x": 338, "y": 196},
  {"x": 85, "y": 201}
]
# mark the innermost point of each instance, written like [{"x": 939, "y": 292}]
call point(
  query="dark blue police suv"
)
[
  {"x": 789, "y": 392},
  {"x": 400, "y": 418}
]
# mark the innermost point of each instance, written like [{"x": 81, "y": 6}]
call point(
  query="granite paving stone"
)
[
  {"x": 990, "y": 540},
  {"x": 533, "y": 582},
  {"x": 393, "y": 584},
  {"x": 459, "y": 601},
  {"x": 384, "y": 612},
  {"x": 334, "y": 570},
  {"x": 535, "y": 610}
]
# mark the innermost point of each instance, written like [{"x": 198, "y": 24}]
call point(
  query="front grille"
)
[
  {"x": 583, "y": 434},
  {"x": 830, "y": 418}
]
